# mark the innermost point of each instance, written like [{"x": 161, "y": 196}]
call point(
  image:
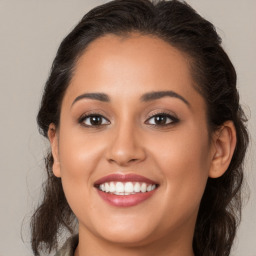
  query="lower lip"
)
[{"x": 125, "y": 200}]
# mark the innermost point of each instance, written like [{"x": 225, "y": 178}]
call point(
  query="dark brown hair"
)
[{"x": 178, "y": 24}]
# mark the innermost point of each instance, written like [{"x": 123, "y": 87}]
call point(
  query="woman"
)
[{"x": 147, "y": 136}]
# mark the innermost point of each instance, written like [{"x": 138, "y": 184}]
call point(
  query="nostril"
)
[{"x": 123, "y": 160}]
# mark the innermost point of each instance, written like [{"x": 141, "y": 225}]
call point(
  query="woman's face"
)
[{"x": 132, "y": 108}]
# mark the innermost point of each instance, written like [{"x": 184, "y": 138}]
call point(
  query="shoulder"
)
[{"x": 69, "y": 247}]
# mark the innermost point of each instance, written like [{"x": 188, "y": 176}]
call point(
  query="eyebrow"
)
[
  {"x": 160, "y": 94},
  {"x": 150, "y": 96},
  {"x": 93, "y": 96}
]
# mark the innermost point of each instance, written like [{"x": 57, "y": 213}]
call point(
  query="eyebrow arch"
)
[
  {"x": 144, "y": 98},
  {"x": 160, "y": 94},
  {"x": 94, "y": 96}
]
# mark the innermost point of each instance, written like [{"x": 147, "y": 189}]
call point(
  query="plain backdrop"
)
[{"x": 30, "y": 33}]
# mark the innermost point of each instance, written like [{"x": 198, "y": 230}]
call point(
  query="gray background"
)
[{"x": 30, "y": 32}]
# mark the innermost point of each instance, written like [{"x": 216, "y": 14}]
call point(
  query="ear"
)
[
  {"x": 224, "y": 143},
  {"x": 53, "y": 138}
]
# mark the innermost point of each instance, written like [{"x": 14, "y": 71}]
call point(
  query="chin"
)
[
  {"x": 127, "y": 234},
  {"x": 129, "y": 239}
]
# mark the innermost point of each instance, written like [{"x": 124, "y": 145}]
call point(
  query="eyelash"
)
[
  {"x": 159, "y": 114},
  {"x": 166, "y": 115},
  {"x": 87, "y": 116}
]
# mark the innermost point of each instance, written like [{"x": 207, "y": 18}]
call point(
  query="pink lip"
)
[
  {"x": 124, "y": 200},
  {"x": 123, "y": 178}
]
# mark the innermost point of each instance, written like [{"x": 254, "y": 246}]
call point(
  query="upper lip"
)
[{"x": 123, "y": 178}]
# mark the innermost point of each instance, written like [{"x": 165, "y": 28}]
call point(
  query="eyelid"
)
[
  {"x": 95, "y": 112},
  {"x": 168, "y": 114},
  {"x": 159, "y": 112},
  {"x": 90, "y": 114}
]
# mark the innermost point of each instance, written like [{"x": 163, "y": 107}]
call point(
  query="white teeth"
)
[
  {"x": 126, "y": 188},
  {"x": 143, "y": 187},
  {"x": 107, "y": 187},
  {"x": 149, "y": 188},
  {"x": 136, "y": 187},
  {"x": 119, "y": 187},
  {"x": 102, "y": 187},
  {"x": 112, "y": 187}
]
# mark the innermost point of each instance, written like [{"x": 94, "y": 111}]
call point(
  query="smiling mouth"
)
[{"x": 126, "y": 188}]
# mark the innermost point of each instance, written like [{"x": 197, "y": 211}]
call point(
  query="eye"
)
[
  {"x": 162, "y": 119},
  {"x": 93, "y": 120}
]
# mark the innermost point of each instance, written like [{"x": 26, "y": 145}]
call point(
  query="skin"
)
[{"x": 179, "y": 157}]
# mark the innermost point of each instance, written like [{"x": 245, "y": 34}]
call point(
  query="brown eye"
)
[
  {"x": 162, "y": 119},
  {"x": 93, "y": 120}
]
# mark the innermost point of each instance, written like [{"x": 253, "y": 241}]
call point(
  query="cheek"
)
[
  {"x": 79, "y": 157},
  {"x": 79, "y": 154},
  {"x": 183, "y": 158}
]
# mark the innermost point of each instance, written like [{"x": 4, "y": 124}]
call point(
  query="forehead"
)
[
  {"x": 131, "y": 65},
  {"x": 140, "y": 54}
]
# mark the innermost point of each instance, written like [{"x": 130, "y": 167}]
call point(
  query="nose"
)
[{"x": 126, "y": 146}]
